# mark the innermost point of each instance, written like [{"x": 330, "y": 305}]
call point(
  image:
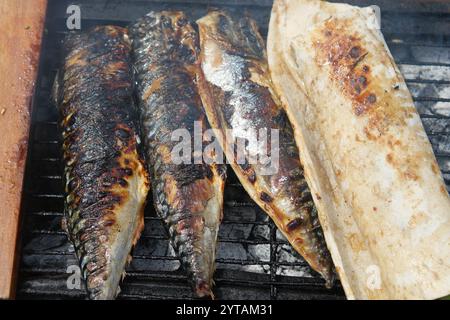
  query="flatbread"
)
[{"x": 381, "y": 197}]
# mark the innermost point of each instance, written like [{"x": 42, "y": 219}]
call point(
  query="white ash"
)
[
  {"x": 444, "y": 163},
  {"x": 259, "y": 252},
  {"x": 441, "y": 143},
  {"x": 280, "y": 237},
  {"x": 155, "y": 248},
  {"x": 416, "y": 72},
  {"x": 255, "y": 268},
  {"x": 43, "y": 243},
  {"x": 426, "y": 54},
  {"x": 235, "y": 230},
  {"x": 447, "y": 179},
  {"x": 261, "y": 232},
  {"x": 439, "y": 108},
  {"x": 286, "y": 253},
  {"x": 238, "y": 214},
  {"x": 433, "y": 90},
  {"x": 234, "y": 251},
  {"x": 436, "y": 126}
]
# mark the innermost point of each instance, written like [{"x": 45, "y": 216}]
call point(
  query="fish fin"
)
[
  {"x": 64, "y": 224},
  {"x": 129, "y": 258},
  {"x": 118, "y": 291},
  {"x": 56, "y": 89},
  {"x": 140, "y": 227}
]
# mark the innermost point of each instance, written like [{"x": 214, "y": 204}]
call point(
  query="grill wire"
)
[{"x": 254, "y": 261}]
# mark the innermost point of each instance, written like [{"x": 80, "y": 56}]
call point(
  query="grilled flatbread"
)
[{"x": 381, "y": 199}]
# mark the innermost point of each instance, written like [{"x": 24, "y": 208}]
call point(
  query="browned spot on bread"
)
[
  {"x": 371, "y": 98},
  {"x": 318, "y": 196},
  {"x": 390, "y": 158},
  {"x": 435, "y": 168},
  {"x": 410, "y": 175},
  {"x": 417, "y": 219},
  {"x": 355, "y": 52},
  {"x": 348, "y": 58},
  {"x": 406, "y": 168},
  {"x": 355, "y": 242},
  {"x": 393, "y": 143},
  {"x": 374, "y": 208},
  {"x": 443, "y": 190},
  {"x": 370, "y": 134}
]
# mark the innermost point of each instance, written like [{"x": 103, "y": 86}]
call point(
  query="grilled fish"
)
[
  {"x": 237, "y": 94},
  {"x": 105, "y": 178},
  {"x": 188, "y": 196}
]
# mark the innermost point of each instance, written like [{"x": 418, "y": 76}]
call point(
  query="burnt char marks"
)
[
  {"x": 371, "y": 93},
  {"x": 177, "y": 102},
  {"x": 345, "y": 54},
  {"x": 239, "y": 91},
  {"x": 164, "y": 39},
  {"x": 294, "y": 224},
  {"x": 265, "y": 197},
  {"x": 188, "y": 174},
  {"x": 98, "y": 127},
  {"x": 248, "y": 171},
  {"x": 239, "y": 34},
  {"x": 165, "y": 49}
]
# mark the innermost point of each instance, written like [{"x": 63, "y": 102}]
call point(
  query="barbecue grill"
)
[{"x": 254, "y": 261}]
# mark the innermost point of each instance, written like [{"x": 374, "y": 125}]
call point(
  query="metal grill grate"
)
[{"x": 254, "y": 261}]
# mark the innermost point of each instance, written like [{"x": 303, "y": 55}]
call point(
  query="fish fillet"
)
[
  {"x": 105, "y": 180},
  {"x": 374, "y": 178},
  {"x": 236, "y": 91},
  {"x": 187, "y": 195}
]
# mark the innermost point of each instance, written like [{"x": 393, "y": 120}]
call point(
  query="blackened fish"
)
[
  {"x": 237, "y": 94},
  {"x": 105, "y": 178},
  {"x": 188, "y": 195}
]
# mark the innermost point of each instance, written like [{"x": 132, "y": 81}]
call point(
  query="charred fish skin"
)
[
  {"x": 189, "y": 197},
  {"x": 237, "y": 94},
  {"x": 105, "y": 180}
]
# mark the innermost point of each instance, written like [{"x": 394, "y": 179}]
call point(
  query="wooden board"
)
[{"x": 21, "y": 26}]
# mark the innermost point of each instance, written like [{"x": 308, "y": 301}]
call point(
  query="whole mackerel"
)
[
  {"x": 237, "y": 94},
  {"x": 105, "y": 178},
  {"x": 188, "y": 196}
]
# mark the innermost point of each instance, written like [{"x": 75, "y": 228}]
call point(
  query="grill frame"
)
[{"x": 42, "y": 274}]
